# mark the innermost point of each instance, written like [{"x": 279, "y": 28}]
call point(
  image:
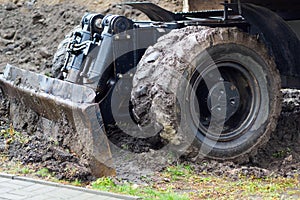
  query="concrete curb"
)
[{"x": 58, "y": 185}]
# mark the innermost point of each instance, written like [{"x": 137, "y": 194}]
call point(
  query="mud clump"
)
[
  {"x": 28, "y": 35},
  {"x": 282, "y": 152},
  {"x": 29, "y": 146},
  {"x": 42, "y": 152},
  {"x": 4, "y": 115}
]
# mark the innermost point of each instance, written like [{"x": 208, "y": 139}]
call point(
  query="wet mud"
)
[{"x": 29, "y": 35}]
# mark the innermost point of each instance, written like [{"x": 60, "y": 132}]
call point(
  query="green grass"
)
[
  {"x": 17, "y": 169},
  {"x": 49, "y": 74},
  {"x": 178, "y": 172},
  {"x": 246, "y": 188},
  {"x": 44, "y": 172},
  {"x": 10, "y": 135},
  {"x": 147, "y": 192},
  {"x": 25, "y": 170},
  {"x": 181, "y": 182},
  {"x": 76, "y": 183},
  {"x": 282, "y": 153}
]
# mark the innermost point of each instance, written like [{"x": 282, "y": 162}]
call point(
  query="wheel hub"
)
[{"x": 223, "y": 100}]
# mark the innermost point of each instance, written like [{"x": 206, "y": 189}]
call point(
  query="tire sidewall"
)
[{"x": 260, "y": 71}]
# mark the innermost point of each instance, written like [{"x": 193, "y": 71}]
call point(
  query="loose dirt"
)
[{"x": 29, "y": 34}]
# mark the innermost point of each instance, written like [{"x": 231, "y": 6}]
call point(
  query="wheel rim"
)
[{"x": 224, "y": 101}]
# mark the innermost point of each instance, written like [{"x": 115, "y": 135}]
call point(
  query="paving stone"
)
[
  {"x": 40, "y": 197},
  {"x": 6, "y": 189},
  {"x": 42, "y": 190},
  {"x": 19, "y": 193},
  {"x": 86, "y": 196},
  {"x": 10, "y": 184},
  {"x": 21, "y": 183},
  {"x": 33, "y": 188},
  {"x": 69, "y": 193},
  {"x": 3, "y": 180},
  {"x": 11, "y": 196},
  {"x": 29, "y": 189}
]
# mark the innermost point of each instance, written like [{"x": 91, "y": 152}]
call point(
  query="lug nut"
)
[{"x": 98, "y": 23}]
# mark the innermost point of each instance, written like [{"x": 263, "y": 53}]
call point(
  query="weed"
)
[
  {"x": 147, "y": 192},
  {"x": 3, "y": 157},
  {"x": 25, "y": 170},
  {"x": 76, "y": 183},
  {"x": 54, "y": 141},
  {"x": 103, "y": 183},
  {"x": 282, "y": 153},
  {"x": 178, "y": 172},
  {"x": 48, "y": 74},
  {"x": 44, "y": 172},
  {"x": 125, "y": 146},
  {"x": 10, "y": 135}
]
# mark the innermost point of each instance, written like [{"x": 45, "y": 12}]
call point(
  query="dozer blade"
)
[{"x": 57, "y": 101}]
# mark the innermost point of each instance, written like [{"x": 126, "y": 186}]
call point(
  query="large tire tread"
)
[{"x": 163, "y": 66}]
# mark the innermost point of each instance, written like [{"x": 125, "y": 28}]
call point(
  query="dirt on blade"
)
[{"x": 29, "y": 35}]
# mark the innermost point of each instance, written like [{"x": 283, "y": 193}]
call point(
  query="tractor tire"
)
[
  {"x": 59, "y": 58},
  {"x": 218, "y": 86}
]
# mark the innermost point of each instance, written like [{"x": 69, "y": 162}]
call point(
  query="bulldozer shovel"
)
[{"x": 59, "y": 101}]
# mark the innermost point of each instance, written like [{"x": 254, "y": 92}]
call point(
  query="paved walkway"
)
[{"x": 20, "y": 188}]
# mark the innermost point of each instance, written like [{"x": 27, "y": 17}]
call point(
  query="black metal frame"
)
[{"x": 119, "y": 44}]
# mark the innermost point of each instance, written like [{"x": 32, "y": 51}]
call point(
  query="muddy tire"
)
[
  {"x": 217, "y": 86},
  {"x": 59, "y": 58}
]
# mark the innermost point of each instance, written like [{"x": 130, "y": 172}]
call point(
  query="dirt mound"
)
[
  {"x": 31, "y": 31},
  {"x": 282, "y": 152},
  {"x": 29, "y": 35},
  {"x": 32, "y": 147}
]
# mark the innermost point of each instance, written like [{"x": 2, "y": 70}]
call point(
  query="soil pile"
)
[
  {"x": 29, "y": 35},
  {"x": 30, "y": 32}
]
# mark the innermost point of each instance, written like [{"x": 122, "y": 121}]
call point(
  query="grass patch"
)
[
  {"x": 11, "y": 135},
  {"x": 181, "y": 182},
  {"x": 281, "y": 153},
  {"x": 178, "y": 172},
  {"x": 76, "y": 183},
  {"x": 146, "y": 192},
  {"x": 25, "y": 170},
  {"x": 244, "y": 188},
  {"x": 44, "y": 172}
]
